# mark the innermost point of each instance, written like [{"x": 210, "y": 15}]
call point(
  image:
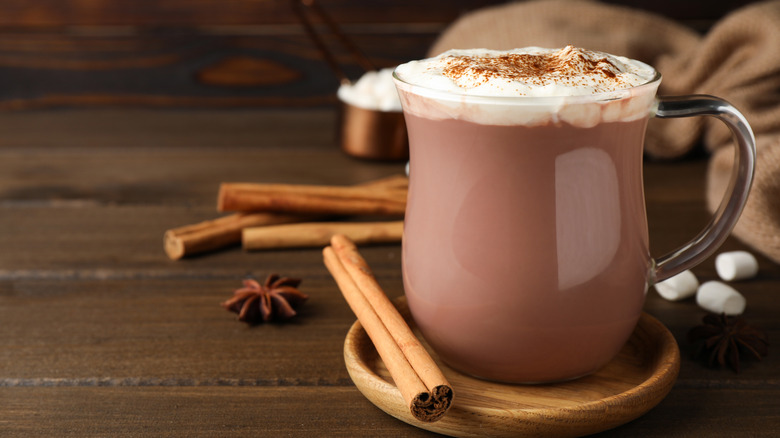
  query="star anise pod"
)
[
  {"x": 276, "y": 299},
  {"x": 724, "y": 338}
]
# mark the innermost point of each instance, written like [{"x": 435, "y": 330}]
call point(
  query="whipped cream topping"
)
[
  {"x": 531, "y": 71},
  {"x": 571, "y": 85}
]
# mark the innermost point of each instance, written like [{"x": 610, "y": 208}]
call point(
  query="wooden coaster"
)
[{"x": 636, "y": 380}]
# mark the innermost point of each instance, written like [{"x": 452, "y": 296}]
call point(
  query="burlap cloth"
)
[{"x": 738, "y": 60}]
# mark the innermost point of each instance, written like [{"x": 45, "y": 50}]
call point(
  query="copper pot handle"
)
[{"x": 298, "y": 7}]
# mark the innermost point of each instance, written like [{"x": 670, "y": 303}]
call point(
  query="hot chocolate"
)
[
  {"x": 527, "y": 263},
  {"x": 525, "y": 252}
]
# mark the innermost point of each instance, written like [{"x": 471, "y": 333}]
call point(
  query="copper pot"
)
[
  {"x": 364, "y": 133},
  {"x": 373, "y": 134}
]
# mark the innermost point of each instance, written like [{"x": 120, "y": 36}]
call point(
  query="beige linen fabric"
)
[{"x": 738, "y": 60}]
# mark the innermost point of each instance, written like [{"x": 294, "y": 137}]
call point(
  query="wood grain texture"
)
[
  {"x": 210, "y": 53},
  {"x": 101, "y": 334},
  {"x": 166, "y": 332},
  {"x": 215, "y": 12},
  {"x": 335, "y": 411},
  {"x": 185, "y": 68},
  {"x": 192, "y": 411},
  {"x": 244, "y": 12}
]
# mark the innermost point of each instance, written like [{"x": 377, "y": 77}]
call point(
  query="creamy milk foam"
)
[
  {"x": 547, "y": 74},
  {"x": 525, "y": 251}
]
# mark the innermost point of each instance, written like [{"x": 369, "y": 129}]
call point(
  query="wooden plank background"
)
[
  {"x": 102, "y": 335},
  {"x": 167, "y": 13},
  {"x": 220, "y": 53}
]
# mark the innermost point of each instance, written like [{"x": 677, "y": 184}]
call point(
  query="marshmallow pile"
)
[
  {"x": 714, "y": 296},
  {"x": 374, "y": 90}
]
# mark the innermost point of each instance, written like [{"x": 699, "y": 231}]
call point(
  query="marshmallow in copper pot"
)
[
  {"x": 736, "y": 265},
  {"x": 372, "y": 123},
  {"x": 679, "y": 287},
  {"x": 717, "y": 297},
  {"x": 375, "y": 90}
]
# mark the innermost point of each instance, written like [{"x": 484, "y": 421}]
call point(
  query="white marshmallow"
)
[
  {"x": 717, "y": 297},
  {"x": 375, "y": 90},
  {"x": 361, "y": 100},
  {"x": 679, "y": 287},
  {"x": 736, "y": 265},
  {"x": 388, "y": 102}
]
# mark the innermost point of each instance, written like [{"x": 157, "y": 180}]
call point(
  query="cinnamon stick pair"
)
[
  {"x": 218, "y": 233},
  {"x": 420, "y": 381},
  {"x": 306, "y": 206}
]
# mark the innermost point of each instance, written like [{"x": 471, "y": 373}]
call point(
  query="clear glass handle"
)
[{"x": 713, "y": 235}]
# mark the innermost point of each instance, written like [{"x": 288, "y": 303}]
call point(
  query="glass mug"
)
[{"x": 526, "y": 251}]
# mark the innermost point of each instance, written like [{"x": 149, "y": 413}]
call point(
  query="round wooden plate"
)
[{"x": 636, "y": 380}]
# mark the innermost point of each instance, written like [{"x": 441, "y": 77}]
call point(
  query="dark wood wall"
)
[{"x": 219, "y": 53}]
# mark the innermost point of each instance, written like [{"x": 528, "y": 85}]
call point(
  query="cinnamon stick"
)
[
  {"x": 225, "y": 231},
  {"x": 288, "y": 198},
  {"x": 318, "y": 234},
  {"x": 420, "y": 381},
  {"x": 218, "y": 233}
]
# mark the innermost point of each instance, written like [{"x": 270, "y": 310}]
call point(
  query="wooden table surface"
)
[{"x": 102, "y": 335}]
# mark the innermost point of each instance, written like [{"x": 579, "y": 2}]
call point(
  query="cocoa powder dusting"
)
[{"x": 567, "y": 66}]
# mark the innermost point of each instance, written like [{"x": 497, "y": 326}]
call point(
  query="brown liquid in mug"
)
[{"x": 525, "y": 251}]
